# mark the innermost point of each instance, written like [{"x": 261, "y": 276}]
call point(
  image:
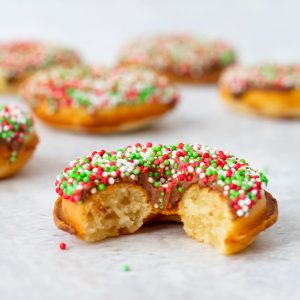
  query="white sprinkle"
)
[
  {"x": 190, "y": 169},
  {"x": 240, "y": 213},
  {"x": 241, "y": 203},
  {"x": 123, "y": 169},
  {"x": 247, "y": 201},
  {"x": 245, "y": 208}
]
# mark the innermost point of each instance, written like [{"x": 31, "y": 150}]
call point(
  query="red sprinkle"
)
[{"x": 62, "y": 246}]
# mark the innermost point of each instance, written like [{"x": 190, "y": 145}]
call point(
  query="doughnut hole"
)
[
  {"x": 206, "y": 216},
  {"x": 119, "y": 209}
]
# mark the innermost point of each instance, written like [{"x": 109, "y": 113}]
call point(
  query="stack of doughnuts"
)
[
  {"x": 20, "y": 59},
  {"x": 18, "y": 139},
  {"x": 99, "y": 100}
]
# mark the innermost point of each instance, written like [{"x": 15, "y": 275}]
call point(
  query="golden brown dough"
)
[
  {"x": 9, "y": 167},
  {"x": 124, "y": 208}
]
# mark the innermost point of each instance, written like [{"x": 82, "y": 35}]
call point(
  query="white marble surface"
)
[{"x": 164, "y": 262}]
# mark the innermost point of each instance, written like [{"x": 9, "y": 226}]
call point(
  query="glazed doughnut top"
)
[
  {"x": 101, "y": 88},
  {"x": 15, "y": 126},
  {"x": 165, "y": 171},
  {"x": 180, "y": 54},
  {"x": 239, "y": 79},
  {"x": 17, "y": 58}
]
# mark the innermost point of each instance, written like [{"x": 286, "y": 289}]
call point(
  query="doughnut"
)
[
  {"x": 269, "y": 89},
  {"x": 99, "y": 100},
  {"x": 183, "y": 58},
  {"x": 18, "y": 139},
  {"x": 20, "y": 59},
  {"x": 218, "y": 197}
]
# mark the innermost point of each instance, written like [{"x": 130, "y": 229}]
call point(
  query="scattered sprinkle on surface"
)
[
  {"x": 62, "y": 246},
  {"x": 125, "y": 268}
]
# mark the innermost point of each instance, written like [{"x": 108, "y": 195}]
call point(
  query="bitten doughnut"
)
[
  {"x": 99, "y": 100},
  {"x": 182, "y": 58},
  {"x": 17, "y": 139},
  {"x": 18, "y": 60},
  {"x": 271, "y": 90},
  {"x": 219, "y": 198}
]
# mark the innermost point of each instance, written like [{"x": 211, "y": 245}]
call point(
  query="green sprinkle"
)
[
  {"x": 125, "y": 268},
  {"x": 101, "y": 187},
  {"x": 226, "y": 58},
  {"x": 146, "y": 93},
  {"x": 136, "y": 171}
]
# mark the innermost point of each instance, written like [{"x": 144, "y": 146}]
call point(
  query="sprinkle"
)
[
  {"x": 62, "y": 246},
  {"x": 125, "y": 268}
]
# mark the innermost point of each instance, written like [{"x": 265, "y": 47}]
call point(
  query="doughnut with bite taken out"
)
[{"x": 218, "y": 197}]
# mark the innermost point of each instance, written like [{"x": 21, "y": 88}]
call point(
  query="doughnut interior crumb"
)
[
  {"x": 206, "y": 217},
  {"x": 115, "y": 211}
]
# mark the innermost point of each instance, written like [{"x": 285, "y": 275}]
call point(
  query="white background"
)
[{"x": 165, "y": 264}]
